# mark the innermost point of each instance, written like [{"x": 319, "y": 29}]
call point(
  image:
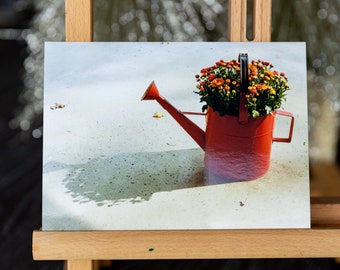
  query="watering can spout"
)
[{"x": 190, "y": 127}]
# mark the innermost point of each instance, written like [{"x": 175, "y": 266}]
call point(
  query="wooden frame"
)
[{"x": 80, "y": 249}]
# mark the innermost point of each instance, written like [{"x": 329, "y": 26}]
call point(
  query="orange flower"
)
[{"x": 217, "y": 82}]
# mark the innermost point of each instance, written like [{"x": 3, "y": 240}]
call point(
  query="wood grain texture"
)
[
  {"x": 79, "y": 265},
  {"x": 79, "y": 20},
  {"x": 262, "y": 10},
  {"x": 237, "y": 19},
  {"x": 102, "y": 245},
  {"x": 262, "y": 20},
  {"x": 325, "y": 212}
]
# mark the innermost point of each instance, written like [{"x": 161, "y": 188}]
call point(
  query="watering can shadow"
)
[{"x": 237, "y": 148}]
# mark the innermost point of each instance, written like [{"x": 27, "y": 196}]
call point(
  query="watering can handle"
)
[
  {"x": 289, "y": 138},
  {"x": 243, "y": 109}
]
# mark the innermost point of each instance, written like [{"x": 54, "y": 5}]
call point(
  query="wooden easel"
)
[{"x": 82, "y": 249}]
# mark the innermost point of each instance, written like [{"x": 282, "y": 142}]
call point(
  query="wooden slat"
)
[
  {"x": 262, "y": 10},
  {"x": 237, "y": 19},
  {"x": 79, "y": 265},
  {"x": 262, "y": 17},
  {"x": 325, "y": 212},
  {"x": 102, "y": 245},
  {"x": 78, "y": 20}
]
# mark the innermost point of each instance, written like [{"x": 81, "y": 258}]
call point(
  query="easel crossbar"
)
[{"x": 183, "y": 244}]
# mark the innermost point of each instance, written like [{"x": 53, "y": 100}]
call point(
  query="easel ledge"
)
[
  {"x": 320, "y": 241},
  {"x": 206, "y": 244}
]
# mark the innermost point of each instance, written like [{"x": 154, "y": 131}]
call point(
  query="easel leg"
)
[{"x": 79, "y": 265}]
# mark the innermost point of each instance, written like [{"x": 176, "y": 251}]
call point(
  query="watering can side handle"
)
[{"x": 289, "y": 139}]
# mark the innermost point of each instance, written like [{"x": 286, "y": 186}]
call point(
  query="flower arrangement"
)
[{"x": 219, "y": 87}]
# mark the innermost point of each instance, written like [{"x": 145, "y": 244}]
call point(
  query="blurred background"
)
[{"x": 26, "y": 24}]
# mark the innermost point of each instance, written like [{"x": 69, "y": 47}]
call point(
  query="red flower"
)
[
  {"x": 211, "y": 77},
  {"x": 204, "y": 70}
]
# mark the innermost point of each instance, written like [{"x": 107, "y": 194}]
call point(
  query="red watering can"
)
[{"x": 237, "y": 148}]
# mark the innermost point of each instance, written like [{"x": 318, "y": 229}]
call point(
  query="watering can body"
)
[{"x": 234, "y": 149}]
